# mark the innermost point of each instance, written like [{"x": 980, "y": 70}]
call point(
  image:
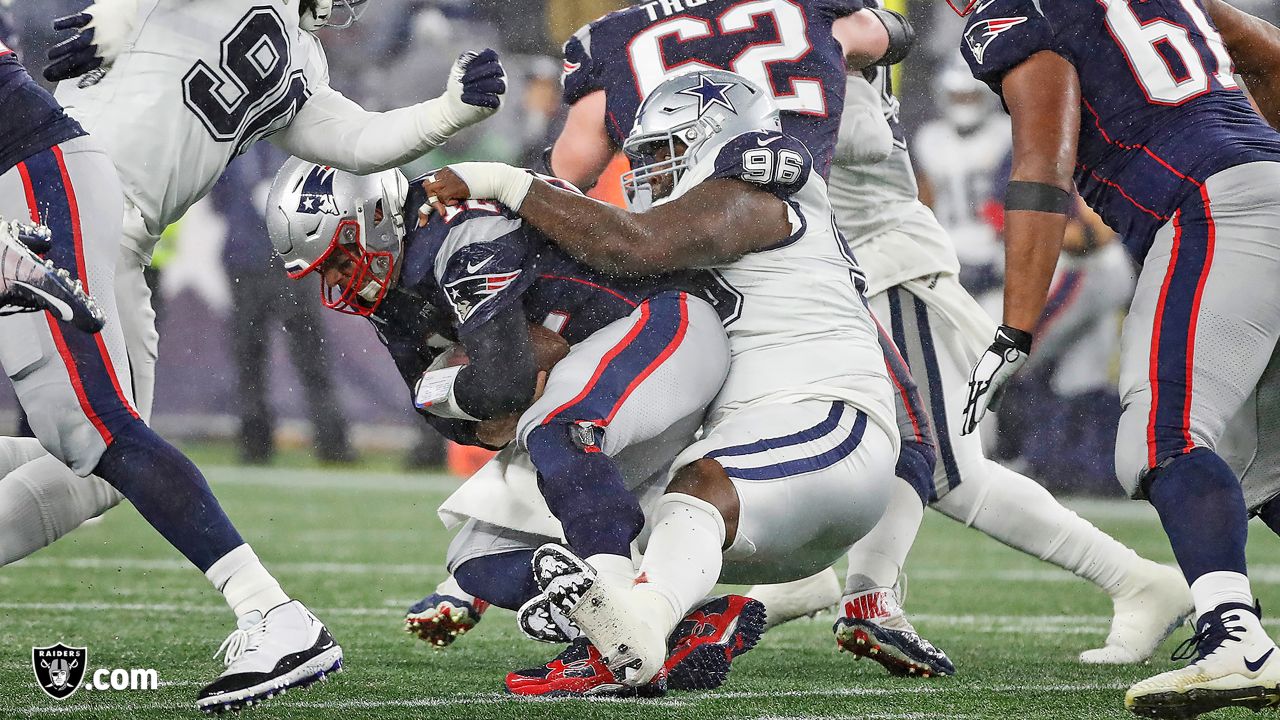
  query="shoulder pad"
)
[
  {"x": 1002, "y": 34},
  {"x": 776, "y": 162}
]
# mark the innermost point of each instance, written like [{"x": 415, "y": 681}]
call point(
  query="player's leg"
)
[
  {"x": 1201, "y": 331},
  {"x": 628, "y": 382},
  {"x": 1009, "y": 506}
]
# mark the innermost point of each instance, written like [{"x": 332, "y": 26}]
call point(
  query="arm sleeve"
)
[
  {"x": 865, "y": 136},
  {"x": 331, "y": 129},
  {"x": 500, "y": 376}
]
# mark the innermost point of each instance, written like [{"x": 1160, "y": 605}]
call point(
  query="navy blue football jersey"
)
[
  {"x": 30, "y": 119},
  {"x": 1160, "y": 109},
  {"x": 480, "y": 258},
  {"x": 785, "y": 46}
]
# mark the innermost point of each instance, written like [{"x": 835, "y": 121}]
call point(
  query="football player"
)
[
  {"x": 1139, "y": 100},
  {"x": 173, "y": 90},
  {"x": 600, "y": 424},
  {"x": 796, "y": 457},
  {"x": 879, "y": 211}
]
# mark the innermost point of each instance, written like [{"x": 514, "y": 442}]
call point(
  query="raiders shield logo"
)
[{"x": 59, "y": 669}]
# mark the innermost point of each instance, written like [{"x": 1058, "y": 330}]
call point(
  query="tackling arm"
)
[
  {"x": 1043, "y": 97},
  {"x": 715, "y": 222},
  {"x": 1254, "y": 45}
]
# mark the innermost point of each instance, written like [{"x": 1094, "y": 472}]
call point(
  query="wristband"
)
[
  {"x": 1012, "y": 337},
  {"x": 1036, "y": 197},
  {"x": 433, "y": 393},
  {"x": 901, "y": 35}
]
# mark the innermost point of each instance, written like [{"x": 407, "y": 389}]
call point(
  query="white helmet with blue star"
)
[{"x": 681, "y": 127}]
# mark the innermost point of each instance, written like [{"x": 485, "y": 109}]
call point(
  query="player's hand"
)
[
  {"x": 475, "y": 88},
  {"x": 987, "y": 381},
  {"x": 98, "y": 36},
  {"x": 451, "y": 185},
  {"x": 444, "y": 190}
]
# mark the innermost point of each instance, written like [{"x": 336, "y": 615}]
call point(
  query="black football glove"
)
[{"x": 98, "y": 36}]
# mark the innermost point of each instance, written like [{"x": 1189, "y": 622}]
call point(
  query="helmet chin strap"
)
[{"x": 965, "y": 10}]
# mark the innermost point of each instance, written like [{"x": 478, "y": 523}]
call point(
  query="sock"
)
[
  {"x": 505, "y": 579},
  {"x": 683, "y": 560},
  {"x": 1270, "y": 514},
  {"x": 44, "y": 500},
  {"x": 170, "y": 493},
  {"x": 1017, "y": 511},
  {"x": 586, "y": 493},
  {"x": 1221, "y": 586},
  {"x": 245, "y": 583},
  {"x": 1202, "y": 510},
  {"x": 616, "y": 570},
  {"x": 877, "y": 559}
]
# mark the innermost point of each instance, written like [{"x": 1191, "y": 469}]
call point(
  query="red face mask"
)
[
  {"x": 371, "y": 272},
  {"x": 965, "y": 10}
]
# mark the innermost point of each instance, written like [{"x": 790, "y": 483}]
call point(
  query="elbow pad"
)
[{"x": 901, "y": 35}]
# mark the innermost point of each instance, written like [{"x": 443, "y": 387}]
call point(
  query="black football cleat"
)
[
  {"x": 30, "y": 284},
  {"x": 872, "y": 625}
]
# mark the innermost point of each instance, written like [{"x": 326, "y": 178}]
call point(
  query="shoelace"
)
[
  {"x": 1208, "y": 638},
  {"x": 241, "y": 641}
]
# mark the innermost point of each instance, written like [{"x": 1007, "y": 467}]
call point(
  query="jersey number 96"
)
[{"x": 766, "y": 166}]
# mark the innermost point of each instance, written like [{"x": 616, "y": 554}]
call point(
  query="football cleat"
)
[
  {"x": 580, "y": 670},
  {"x": 1155, "y": 601},
  {"x": 806, "y": 597},
  {"x": 614, "y": 621},
  {"x": 872, "y": 625},
  {"x": 541, "y": 621},
  {"x": 707, "y": 640},
  {"x": 440, "y": 619},
  {"x": 1234, "y": 663},
  {"x": 32, "y": 285},
  {"x": 267, "y": 655}
]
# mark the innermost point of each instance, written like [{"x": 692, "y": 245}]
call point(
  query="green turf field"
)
[{"x": 359, "y": 547}]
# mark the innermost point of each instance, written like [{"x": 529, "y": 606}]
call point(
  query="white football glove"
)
[
  {"x": 987, "y": 382},
  {"x": 100, "y": 34}
]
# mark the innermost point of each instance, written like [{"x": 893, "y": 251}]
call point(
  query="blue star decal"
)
[{"x": 710, "y": 93}]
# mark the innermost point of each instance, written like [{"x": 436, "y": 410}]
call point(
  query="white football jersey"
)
[
  {"x": 198, "y": 83},
  {"x": 895, "y": 237},
  {"x": 801, "y": 329}
]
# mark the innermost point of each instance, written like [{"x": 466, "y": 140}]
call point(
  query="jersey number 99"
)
[{"x": 251, "y": 89}]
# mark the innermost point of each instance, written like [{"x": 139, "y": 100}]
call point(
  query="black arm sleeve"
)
[{"x": 500, "y": 377}]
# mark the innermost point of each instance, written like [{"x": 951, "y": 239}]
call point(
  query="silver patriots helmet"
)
[
  {"x": 319, "y": 217},
  {"x": 682, "y": 125}
]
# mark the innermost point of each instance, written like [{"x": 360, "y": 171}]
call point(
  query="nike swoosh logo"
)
[
  {"x": 62, "y": 309},
  {"x": 472, "y": 268},
  {"x": 770, "y": 141},
  {"x": 1255, "y": 665}
]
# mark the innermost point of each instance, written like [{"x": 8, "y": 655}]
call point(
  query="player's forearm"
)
[
  {"x": 1254, "y": 45},
  {"x": 344, "y": 135},
  {"x": 499, "y": 378},
  {"x": 1032, "y": 243}
]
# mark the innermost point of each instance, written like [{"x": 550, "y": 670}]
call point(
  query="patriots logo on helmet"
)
[
  {"x": 710, "y": 93},
  {"x": 317, "y": 192},
  {"x": 467, "y": 294},
  {"x": 981, "y": 34}
]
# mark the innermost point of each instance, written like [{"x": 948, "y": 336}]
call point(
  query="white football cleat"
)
[
  {"x": 1235, "y": 665},
  {"x": 805, "y": 597},
  {"x": 632, "y": 648},
  {"x": 266, "y": 655},
  {"x": 1154, "y": 603}
]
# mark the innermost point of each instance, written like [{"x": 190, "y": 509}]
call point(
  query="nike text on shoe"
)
[
  {"x": 872, "y": 625},
  {"x": 785, "y": 602},
  {"x": 440, "y": 619},
  {"x": 1234, "y": 663},
  {"x": 31, "y": 284},
  {"x": 707, "y": 640},
  {"x": 1153, "y": 603},
  {"x": 579, "y": 670},
  {"x": 632, "y": 648},
  {"x": 266, "y": 655},
  {"x": 541, "y": 621}
]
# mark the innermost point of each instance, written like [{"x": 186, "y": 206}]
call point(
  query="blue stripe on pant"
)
[
  {"x": 929, "y": 360},
  {"x": 88, "y": 363},
  {"x": 816, "y": 461}
]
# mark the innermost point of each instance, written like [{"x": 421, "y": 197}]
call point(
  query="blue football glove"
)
[
  {"x": 473, "y": 92},
  {"x": 987, "y": 381},
  {"x": 98, "y": 36}
]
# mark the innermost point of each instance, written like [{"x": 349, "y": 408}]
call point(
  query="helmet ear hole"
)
[{"x": 377, "y": 212}]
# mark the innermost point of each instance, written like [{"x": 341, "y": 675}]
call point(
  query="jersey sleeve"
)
[
  {"x": 1001, "y": 35},
  {"x": 315, "y": 66},
  {"x": 771, "y": 160},
  {"x": 480, "y": 267},
  {"x": 581, "y": 75},
  {"x": 839, "y": 8}
]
